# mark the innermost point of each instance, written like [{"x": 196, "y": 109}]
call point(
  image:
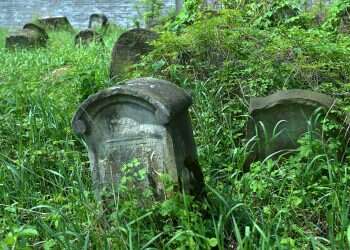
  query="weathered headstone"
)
[
  {"x": 279, "y": 120},
  {"x": 146, "y": 119},
  {"x": 98, "y": 21},
  {"x": 128, "y": 49},
  {"x": 88, "y": 36},
  {"x": 30, "y": 36},
  {"x": 344, "y": 21},
  {"x": 56, "y": 23},
  {"x": 282, "y": 13}
]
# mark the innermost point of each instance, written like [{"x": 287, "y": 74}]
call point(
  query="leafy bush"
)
[{"x": 300, "y": 202}]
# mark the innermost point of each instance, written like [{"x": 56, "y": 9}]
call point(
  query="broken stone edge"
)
[
  {"x": 291, "y": 96},
  {"x": 167, "y": 98}
]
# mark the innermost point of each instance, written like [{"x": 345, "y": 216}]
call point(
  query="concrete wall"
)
[{"x": 15, "y": 13}]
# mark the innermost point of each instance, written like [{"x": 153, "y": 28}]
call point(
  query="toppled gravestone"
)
[
  {"x": 129, "y": 47},
  {"x": 145, "y": 120},
  {"x": 86, "y": 37},
  {"x": 56, "y": 23},
  {"x": 98, "y": 21},
  {"x": 279, "y": 120},
  {"x": 31, "y": 36}
]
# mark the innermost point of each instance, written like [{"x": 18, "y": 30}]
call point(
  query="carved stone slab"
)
[
  {"x": 56, "y": 23},
  {"x": 98, "y": 21},
  {"x": 30, "y": 36},
  {"x": 128, "y": 49},
  {"x": 280, "y": 119},
  {"x": 86, "y": 37},
  {"x": 145, "y": 119}
]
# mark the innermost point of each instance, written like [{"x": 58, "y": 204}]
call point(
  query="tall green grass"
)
[{"x": 46, "y": 197}]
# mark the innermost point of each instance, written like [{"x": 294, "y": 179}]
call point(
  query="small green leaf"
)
[
  {"x": 213, "y": 242},
  {"x": 28, "y": 232}
]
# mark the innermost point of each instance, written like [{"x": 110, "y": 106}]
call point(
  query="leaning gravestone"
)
[
  {"x": 128, "y": 49},
  {"x": 55, "y": 23},
  {"x": 30, "y": 36},
  {"x": 279, "y": 120},
  {"x": 344, "y": 21},
  {"x": 146, "y": 119},
  {"x": 88, "y": 36},
  {"x": 98, "y": 21}
]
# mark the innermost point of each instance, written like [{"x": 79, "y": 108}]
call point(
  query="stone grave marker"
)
[
  {"x": 31, "y": 36},
  {"x": 344, "y": 20},
  {"x": 98, "y": 21},
  {"x": 129, "y": 47},
  {"x": 87, "y": 36},
  {"x": 280, "y": 119},
  {"x": 56, "y": 23},
  {"x": 146, "y": 119}
]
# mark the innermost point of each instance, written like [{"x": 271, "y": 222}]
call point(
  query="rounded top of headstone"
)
[
  {"x": 131, "y": 37},
  {"x": 129, "y": 47},
  {"x": 55, "y": 22},
  {"x": 301, "y": 96},
  {"x": 100, "y": 16},
  {"x": 87, "y": 36},
  {"x": 35, "y": 27},
  {"x": 167, "y": 98}
]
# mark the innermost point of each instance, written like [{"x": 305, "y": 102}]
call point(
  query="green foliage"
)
[
  {"x": 339, "y": 17},
  {"x": 149, "y": 10},
  {"x": 299, "y": 202}
]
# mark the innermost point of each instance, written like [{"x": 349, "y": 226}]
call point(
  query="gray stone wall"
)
[{"x": 15, "y": 13}]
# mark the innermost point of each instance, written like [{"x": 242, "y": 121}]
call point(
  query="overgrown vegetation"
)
[{"x": 250, "y": 48}]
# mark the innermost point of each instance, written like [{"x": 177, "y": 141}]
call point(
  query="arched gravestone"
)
[
  {"x": 86, "y": 37},
  {"x": 145, "y": 119},
  {"x": 280, "y": 119},
  {"x": 128, "y": 49},
  {"x": 56, "y": 23},
  {"x": 97, "y": 21},
  {"x": 30, "y": 36}
]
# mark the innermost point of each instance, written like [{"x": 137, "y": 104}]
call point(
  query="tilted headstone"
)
[
  {"x": 56, "y": 23},
  {"x": 146, "y": 119},
  {"x": 98, "y": 21},
  {"x": 88, "y": 36},
  {"x": 279, "y": 120},
  {"x": 30, "y": 36},
  {"x": 344, "y": 21},
  {"x": 282, "y": 13},
  {"x": 128, "y": 49}
]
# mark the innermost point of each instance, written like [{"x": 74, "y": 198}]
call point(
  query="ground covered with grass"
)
[{"x": 299, "y": 202}]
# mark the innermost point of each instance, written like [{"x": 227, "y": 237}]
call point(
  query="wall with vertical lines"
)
[{"x": 15, "y": 13}]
